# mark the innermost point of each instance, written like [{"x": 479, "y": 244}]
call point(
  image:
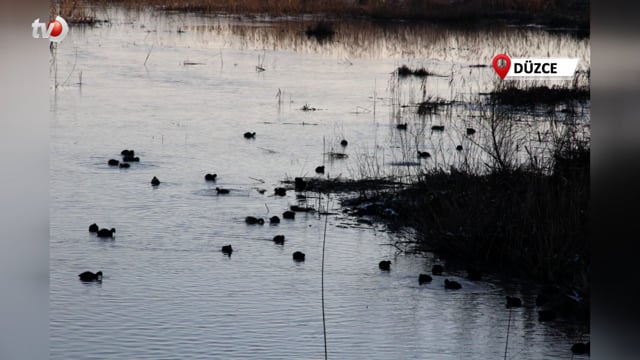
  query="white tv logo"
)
[{"x": 55, "y": 30}]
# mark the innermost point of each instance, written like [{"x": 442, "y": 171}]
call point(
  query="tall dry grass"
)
[
  {"x": 519, "y": 216},
  {"x": 74, "y": 11},
  {"x": 467, "y": 10},
  {"x": 514, "y": 200}
]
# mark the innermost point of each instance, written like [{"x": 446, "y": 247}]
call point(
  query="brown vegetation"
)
[
  {"x": 514, "y": 210},
  {"x": 512, "y": 220},
  {"x": 540, "y": 11},
  {"x": 539, "y": 95}
]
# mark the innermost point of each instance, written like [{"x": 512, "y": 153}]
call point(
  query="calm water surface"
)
[{"x": 168, "y": 291}]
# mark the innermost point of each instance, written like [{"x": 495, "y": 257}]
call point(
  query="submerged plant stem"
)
[{"x": 324, "y": 241}]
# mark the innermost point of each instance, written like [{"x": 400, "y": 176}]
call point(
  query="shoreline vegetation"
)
[
  {"x": 552, "y": 13},
  {"x": 525, "y": 217},
  {"x": 520, "y": 222}
]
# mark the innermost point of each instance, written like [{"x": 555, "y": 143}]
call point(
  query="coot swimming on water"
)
[
  {"x": 106, "y": 233},
  {"x": 384, "y": 265},
  {"x": 89, "y": 276}
]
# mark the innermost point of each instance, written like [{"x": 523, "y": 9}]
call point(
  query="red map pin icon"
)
[{"x": 501, "y": 64}]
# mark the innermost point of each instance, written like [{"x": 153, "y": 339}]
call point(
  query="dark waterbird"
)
[
  {"x": 298, "y": 256},
  {"x": 113, "y": 162},
  {"x": 401, "y": 126},
  {"x": 423, "y": 154},
  {"x": 471, "y": 131},
  {"x": 155, "y": 181},
  {"x": 513, "y": 302},
  {"x": 274, "y": 220},
  {"x": 320, "y": 170},
  {"x": 210, "y": 177},
  {"x": 384, "y": 265},
  {"x": 452, "y": 285},
  {"x": 278, "y": 239},
  {"x": 459, "y": 147},
  {"x": 131, "y": 159},
  {"x": 289, "y": 215},
  {"x": 222, "y": 191},
  {"x": 344, "y": 143},
  {"x": 252, "y": 220},
  {"x": 546, "y": 315},
  {"x": 93, "y": 228},
  {"x": 437, "y": 128},
  {"x": 437, "y": 269},
  {"x": 300, "y": 184},
  {"x": 124, "y": 165},
  {"x": 250, "y": 135},
  {"x": 126, "y": 152},
  {"x": 280, "y": 191},
  {"x": 424, "y": 279},
  {"x": 106, "y": 233},
  {"x": 581, "y": 348},
  {"x": 89, "y": 276},
  {"x": 227, "y": 250}
]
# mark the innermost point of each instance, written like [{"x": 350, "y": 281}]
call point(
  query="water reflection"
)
[
  {"x": 359, "y": 39},
  {"x": 404, "y": 41},
  {"x": 169, "y": 291},
  {"x": 454, "y": 53}
]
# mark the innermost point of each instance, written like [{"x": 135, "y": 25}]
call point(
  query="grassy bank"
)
[
  {"x": 521, "y": 223},
  {"x": 524, "y": 219},
  {"x": 539, "y": 95},
  {"x": 550, "y": 12},
  {"x": 514, "y": 201}
]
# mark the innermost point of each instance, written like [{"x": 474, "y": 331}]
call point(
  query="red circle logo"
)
[{"x": 57, "y": 27}]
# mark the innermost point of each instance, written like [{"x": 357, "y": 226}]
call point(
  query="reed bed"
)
[
  {"x": 542, "y": 11},
  {"x": 514, "y": 198},
  {"x": 539, "y": 95},
  {"x": 75, "y": 12}
]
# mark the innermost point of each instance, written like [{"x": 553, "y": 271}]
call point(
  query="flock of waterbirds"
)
[
  {"x": 128, "y": 156},
  {"x": 438, "y": 128}
]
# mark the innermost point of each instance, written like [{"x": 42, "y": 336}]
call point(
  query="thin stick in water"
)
[
  {"x": 148, "y": 54},
  {"x": 324, "y": 241},
  {"x": 375, "y": 94},
  {"x": 75, "y": 62},
  {"x": 323, "y": 151},
  {"x": 506, "y": 344}
]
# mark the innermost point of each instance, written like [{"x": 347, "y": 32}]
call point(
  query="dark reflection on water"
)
[
  {"x": 365, "y": 39},
  {"x": 168, "y": 290}
]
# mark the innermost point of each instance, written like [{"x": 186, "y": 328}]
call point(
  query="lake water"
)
[{"x": 168, "y": 292}]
